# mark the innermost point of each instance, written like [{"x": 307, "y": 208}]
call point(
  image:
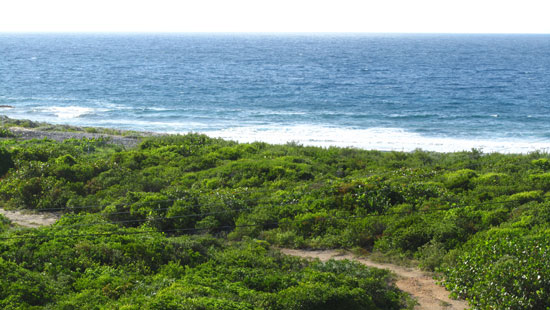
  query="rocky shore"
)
[{"x": 28, "y": 133}]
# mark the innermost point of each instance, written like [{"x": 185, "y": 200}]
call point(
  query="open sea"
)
[{"x": 385, "y": 92}]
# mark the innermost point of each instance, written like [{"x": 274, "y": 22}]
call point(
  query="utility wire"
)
[
  {"x": 245, "y": 225},
  {"x": 115, "y": 222},
  {"x": 132, "y": 232},
  {"x": 154, "y": 219},
  {"x": 102, "y": 206}
]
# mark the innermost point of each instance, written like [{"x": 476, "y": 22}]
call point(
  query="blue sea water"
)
[{"x": 386, "y": 92}]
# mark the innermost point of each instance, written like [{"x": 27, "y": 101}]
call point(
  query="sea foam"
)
[
  {"x": 384, "y": 139},
  {"x": 69, "y": 112},
  {"x": 371, "y": 92}
]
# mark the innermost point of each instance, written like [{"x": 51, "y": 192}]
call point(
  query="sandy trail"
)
[
  {"x": 30, "y": 219},
  {"x": 418, "y": 284}
]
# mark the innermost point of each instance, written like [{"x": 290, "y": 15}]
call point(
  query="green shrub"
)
[
  {"x": 431, "y": 255},
  {"x": 4, "y": 223},
  {"x": 460, "y": 179},
  {"x": 6, "y": 161},
  {"x": 492, "y": 178},
  {"x": 541, "y": 163},
  {"x": 504, "y": 269},
  {"x": 524, "y": 197},
  {"x": 541, "y": 181},
  {"x": 6, "y": 133},
  {"x": 21, "y": 288}
]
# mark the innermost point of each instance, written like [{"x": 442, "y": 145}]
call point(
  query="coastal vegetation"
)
[{"x": 190, "y": 222}]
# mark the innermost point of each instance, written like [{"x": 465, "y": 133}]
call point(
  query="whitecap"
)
[{"x": 67, "y": 112}]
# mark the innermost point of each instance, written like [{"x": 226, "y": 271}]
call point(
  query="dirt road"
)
[{"x": 418, "y": 284}]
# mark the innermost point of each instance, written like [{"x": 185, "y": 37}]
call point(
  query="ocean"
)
[{"x": 398, "y": 92}]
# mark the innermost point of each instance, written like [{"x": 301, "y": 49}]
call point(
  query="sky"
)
[{"x": 372, "y": 16}]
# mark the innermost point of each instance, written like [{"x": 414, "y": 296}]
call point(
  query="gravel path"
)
[
  {"x": 27, "y": 134},
  {"x": 417, "y": 283}
]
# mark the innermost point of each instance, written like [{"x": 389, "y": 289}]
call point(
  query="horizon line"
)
[{"x": 276, "y": 32}]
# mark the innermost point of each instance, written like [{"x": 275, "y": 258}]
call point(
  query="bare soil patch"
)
[{"x": 30, "y": 219}]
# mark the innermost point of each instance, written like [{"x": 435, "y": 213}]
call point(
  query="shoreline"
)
[
  {"x": 377, "y": 139},
  {"x": 59, "y": 136},
  {"x": 27, "y": 130}
]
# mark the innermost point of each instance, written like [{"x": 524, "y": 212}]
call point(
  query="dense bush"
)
[
  {"x": 6, "y": 133},
  {"x": 21, "y": 288},
  {"x": 504, "y": 269},
  {"x": 5, "y": 161},
  {"x": 447, "y": 210},
  {"x": 129, "y": 268}
]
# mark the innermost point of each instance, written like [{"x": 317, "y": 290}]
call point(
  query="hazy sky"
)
[{"x": 462, "y": 16}]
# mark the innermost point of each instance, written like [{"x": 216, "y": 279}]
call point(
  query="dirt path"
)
[
  {"x": 421, "y": 286},
  {"x": 30, "y": 219}
]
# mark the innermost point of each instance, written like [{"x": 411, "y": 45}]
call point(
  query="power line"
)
[
  {"x": 277, "y": 223},
  {"x": 158, "y": 218},
  {"x": 102, "y": 206},
  {"x": 116, "y": 222},
  {"x": 80, "y": 235},
  {"x": 135, "y": 232},
  {"x": 171, "y": 217},
  {"x": 268, "y": 206},
  {"x": 152, "y": 202}
]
